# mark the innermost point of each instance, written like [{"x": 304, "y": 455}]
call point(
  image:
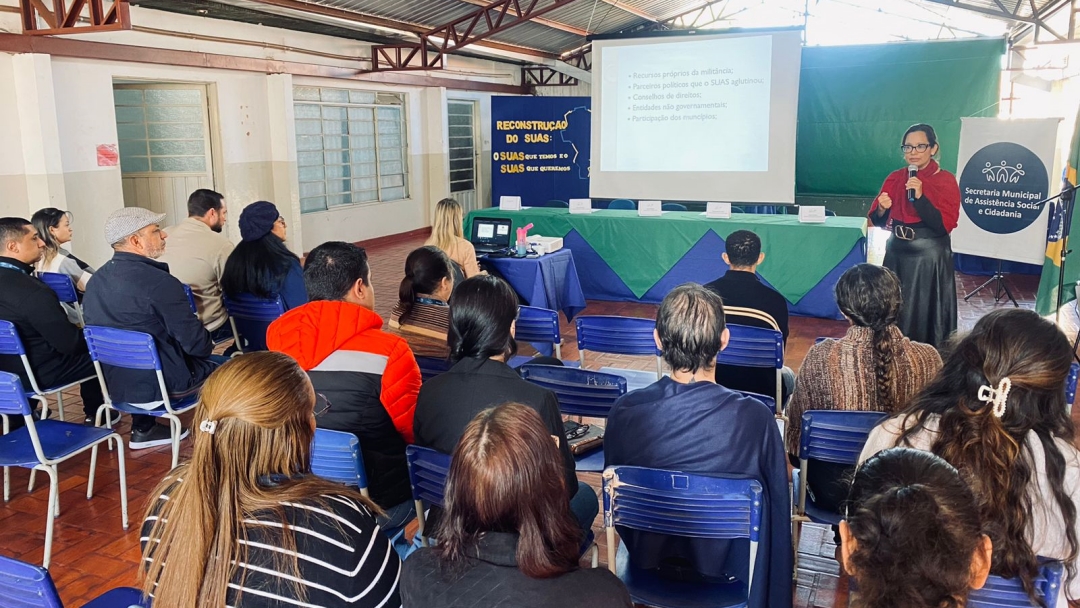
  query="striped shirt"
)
[
  {"x": 424, "y": 327},
  {"x": 343, "y": 557}
]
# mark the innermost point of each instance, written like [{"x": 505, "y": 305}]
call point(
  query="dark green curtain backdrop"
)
[{"x": 856, "y": 101}]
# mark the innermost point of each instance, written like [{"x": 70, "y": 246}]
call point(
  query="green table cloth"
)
[{"x": 641, "y": 250}]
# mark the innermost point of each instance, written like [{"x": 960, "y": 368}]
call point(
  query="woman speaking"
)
[{"x": 920, "y": 205}]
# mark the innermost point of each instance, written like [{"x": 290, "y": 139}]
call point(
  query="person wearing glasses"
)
[
  {"x": 920, "y": 212},
  {"x": 370, "y": 376},
  {"x": 261, "y": 264}
]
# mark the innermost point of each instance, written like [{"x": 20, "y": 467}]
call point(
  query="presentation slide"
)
[{"x": 705, "y": 118}]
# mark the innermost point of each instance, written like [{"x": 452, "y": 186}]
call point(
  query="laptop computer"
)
[{"x": 490, "y": 234}]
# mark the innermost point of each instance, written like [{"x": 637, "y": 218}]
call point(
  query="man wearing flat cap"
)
[{"x": 133, "y": 291}]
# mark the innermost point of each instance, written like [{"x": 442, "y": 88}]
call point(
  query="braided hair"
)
[{"x": 870, "y": 297}]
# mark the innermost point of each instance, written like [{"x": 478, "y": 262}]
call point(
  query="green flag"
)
[{"x": 1046, "y": 298}]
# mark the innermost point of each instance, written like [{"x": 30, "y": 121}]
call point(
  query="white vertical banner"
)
[{"x": 1004, "y": 169}]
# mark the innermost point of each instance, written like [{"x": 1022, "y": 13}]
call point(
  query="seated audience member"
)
[
  {"x": 54, "y": 227},
  {"x": 196, "y": 256},
  {"x": 55, "y": 348},
  {"x": 507, "y": 538},
  {"x": 687, "y": 422},
  {"x": 873, "y": 368},
  {"x": 261, "y": 265},
  {"x": 422, "y": 314},
  {"x": 447, "y": 234},
  {"x": 913, "y": 534},
  {"x": 244, "y": 523},
  {"x": 369, "y": 376},
  {"x": 482, "y": 314},
  {"x": 740, "y": 286},
  {"x": 134, "y": 291},
  {"x": 997, "y": 413}
]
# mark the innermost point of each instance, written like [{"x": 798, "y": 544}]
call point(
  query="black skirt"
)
[{"x": 925, "y": 268}]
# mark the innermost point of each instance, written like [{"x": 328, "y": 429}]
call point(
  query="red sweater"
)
[{"x": 939, "y": 189}]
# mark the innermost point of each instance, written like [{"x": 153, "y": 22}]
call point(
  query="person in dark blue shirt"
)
[
  {"x": 261, "y": 264},
  {"x": 687, "y": 422}
]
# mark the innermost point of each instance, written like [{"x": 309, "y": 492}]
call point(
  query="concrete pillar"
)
[
  {"x": 436, "y": 137},
  {"x": 285, "y": 191},
  {"x": 35, "y": 104}
]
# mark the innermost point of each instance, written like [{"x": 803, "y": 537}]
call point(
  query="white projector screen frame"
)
[{"x": 744, "y": 174}]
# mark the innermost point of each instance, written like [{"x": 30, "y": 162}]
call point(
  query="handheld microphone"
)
[{"x": 911, "y": 171}]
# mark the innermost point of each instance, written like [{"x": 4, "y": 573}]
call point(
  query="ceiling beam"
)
[
  {"x": 542, "y": 21},
  {"x": 409, "y": 28},
  {"x": 487, "y": 20},
  {"x": 630, "y": 9},
  {"x": 65, "y": 17}
]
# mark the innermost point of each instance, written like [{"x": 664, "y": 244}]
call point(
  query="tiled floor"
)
[{"x": 92, "y": 553}]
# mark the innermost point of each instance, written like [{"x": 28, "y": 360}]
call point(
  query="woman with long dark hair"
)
[
  {"x": 506, "y": 536},
  {"x": 422, "y": 314},
  {"x": 245, "y": 523},
  {"x": 481, "y": 339},
  {"x": 873, "y": 368},
  {"x": 54, "y": 228},
  {"x": 913, "y": 535},
  {"x": 921, "y": 211},
  {"x": 997, "y": 413},
  {"x": 261, "y": 264}
]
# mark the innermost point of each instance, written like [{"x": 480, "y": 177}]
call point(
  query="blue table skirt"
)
[
  {"x": 549, "y": 281},
  {"x": 701, "y": 264}
]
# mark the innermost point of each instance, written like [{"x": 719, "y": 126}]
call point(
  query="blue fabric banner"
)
[{"x": 540, "y": 148}]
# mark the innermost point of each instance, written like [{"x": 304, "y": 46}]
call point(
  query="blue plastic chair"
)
[
  {"x": 190, "y": 298},
  {"x": 23, "y": 584},
  {"x": 827, "y": 436},
  {"x": 431, "y": 367},
  {"x": 1070, "y": 385},
  {"x": 428, "y": 470},
  {"x": 557, "y": 204},
  {"x": 11, "y": 344},
  {"x": 135, "y": 350},
  {"x": 680, "y": 504},
  {"x": 620, "y": 336},
  {"x": 65, "y": 290},
  {"x": 536, "y": 324},
  {"x": 427, "y": 478},
  {"x": 672, "y": 207},
  {"x": 250, "y": 317},
  {"x": 622, "y": 203},
  {"x": 335, "y": 455},
  {"x": 1008, "y": 592},
  {"x": 580, "y": 393},
  {"x": 756, "y": 347},
  {"x": 43, "y": 445}
]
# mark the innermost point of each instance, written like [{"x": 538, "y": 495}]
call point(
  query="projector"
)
[{"x": 545, "y": 244}]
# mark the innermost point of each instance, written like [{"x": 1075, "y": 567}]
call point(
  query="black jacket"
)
[
  {"x": 492, "y": 579},
  {"x": 448, "y": 402},
  {"x": 745, "y": 289},
  {"x": 136, "y": 293},
  {"x": 50, "y": 340}
]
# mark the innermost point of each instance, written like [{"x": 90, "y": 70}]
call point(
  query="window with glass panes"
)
[
  {"x": 162, "y": 129},
  {"x": 350, "y": 147}
]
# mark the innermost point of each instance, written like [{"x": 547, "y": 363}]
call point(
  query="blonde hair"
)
[
  {"x": 447, "y": 225},
  {"x": 262, "y": 405}
]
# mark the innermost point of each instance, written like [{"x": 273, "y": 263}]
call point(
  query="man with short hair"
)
[
  {"x": 55, "y": 348},
  {"x": 134, "y": 291},
  {"x": 369, "y": 377},
  {"x": 196, "y": 256},
  {"x": 687, "y": 422},
  {"x": 740, "y": 286}
]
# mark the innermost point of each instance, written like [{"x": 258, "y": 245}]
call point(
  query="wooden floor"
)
[{"x": 92, "y": 553}]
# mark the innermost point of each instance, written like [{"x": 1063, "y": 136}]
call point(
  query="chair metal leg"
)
[
  {"x": 49, "y": 517},
  {"x": 420, "y": 521},
  {"x": 175, "y": 428},
  {"x": 123, "y": 481},
  {"x": 93, "y": 467},
  {"x": 610, "y": 530},
  {"x": 7, "y": 471},
  {"x": 54, "y": 486},
  {"x": 59, "y": 403},
  {"x": 595, "y": 555}
]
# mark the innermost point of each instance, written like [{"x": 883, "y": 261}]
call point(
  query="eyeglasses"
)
[
  {"x": 909, "y": 149},
  {"x": 322, "y": 404},
  {"x": 579, "y": 431}
]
